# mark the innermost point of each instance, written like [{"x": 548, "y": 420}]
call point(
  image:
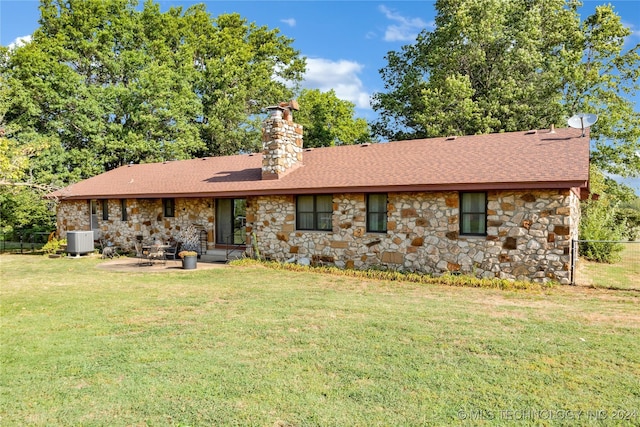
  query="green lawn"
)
[
  {"x": 255, "y": 346},
  {"x": 623, "y": 274}
]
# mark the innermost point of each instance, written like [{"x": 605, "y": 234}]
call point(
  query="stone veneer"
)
[
  {"x": 144, "y": 217},
  {"x": 528, "y": 234},
  {"x": 282, "y": 145}
]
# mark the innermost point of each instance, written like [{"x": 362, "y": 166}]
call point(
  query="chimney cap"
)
[{"x": 291, "y": 105}]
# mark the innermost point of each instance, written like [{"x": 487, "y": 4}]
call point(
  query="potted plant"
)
[{"x": 189, "y": 259}]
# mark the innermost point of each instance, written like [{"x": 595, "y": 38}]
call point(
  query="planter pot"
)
[{"x": 190, "y": 262}]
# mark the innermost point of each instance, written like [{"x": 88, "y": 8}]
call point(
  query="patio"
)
[{"x": 132, "y": 264}]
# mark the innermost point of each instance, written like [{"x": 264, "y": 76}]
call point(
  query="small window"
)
[
  {"x": 169, "y": 208},
  {"x": 377, "y": 213},
  {"x": 123, "y": 207},
  {"x": 473, "y": 213},
  {"x": 314, "y": 212},
  {"x": 105, "y": 210}
]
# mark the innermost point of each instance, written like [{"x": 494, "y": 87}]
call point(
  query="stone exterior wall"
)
[
  {"x": 144, "y": 218},
  {"x": 72, "y": 215},
  {"x": 528, "y": 234}
]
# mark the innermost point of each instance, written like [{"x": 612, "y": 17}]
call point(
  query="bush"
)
[
  {"x": 599, "y": 223},
  {"x": 392, "y": 275},
  {"x": 54, "y": 245},
  {"x": 630, "y": 217}
]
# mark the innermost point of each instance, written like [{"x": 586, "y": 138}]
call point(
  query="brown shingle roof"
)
[{"x": 515, "y": 160}]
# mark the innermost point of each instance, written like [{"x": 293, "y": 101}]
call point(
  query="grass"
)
[
  {"x": 255, "y": 346},
  {"x": 623, "y": 274}
]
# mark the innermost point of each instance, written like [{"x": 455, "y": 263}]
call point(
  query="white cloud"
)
[
  {"x": 20, "y": 41},
  {"x": 404, "y": 29},
  {"x": 289, "y": 21},
  {"x": 341, "y": 76}
]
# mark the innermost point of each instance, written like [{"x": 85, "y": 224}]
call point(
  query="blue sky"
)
[{"x": 345, "y": 42}]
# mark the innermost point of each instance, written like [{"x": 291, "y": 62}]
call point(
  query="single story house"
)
[{"x": 498, "y": 205}]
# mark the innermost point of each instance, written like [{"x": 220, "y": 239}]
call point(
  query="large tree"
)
[
  {"x": 496, "y": 65},
  {"x": 328, "y": 120},
  {"x": 108, "y": 83}
]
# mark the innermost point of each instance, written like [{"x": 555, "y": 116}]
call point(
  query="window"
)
[
  {"x": 473, "y": 213},
  {"x": 123, "y": 207},
  {"x": 168, "y": 208},
  {"x": 105, "y": 210},
  {"x": 377, "y": 213},
  {"x": 93, "y": 208},
  {"x": 314, "y": 212}
]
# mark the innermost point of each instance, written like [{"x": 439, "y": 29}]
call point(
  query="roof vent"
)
[
  {"x": 309, "y": 149},
  {"x": 451, "y": 138},
  {"x": 366, "y": 144},
  {"x": 531, "y": 132}
]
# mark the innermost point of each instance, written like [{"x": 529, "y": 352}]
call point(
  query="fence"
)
[
  {"x": 623, "y": 273},
  {"x": 23, "y": 241}
]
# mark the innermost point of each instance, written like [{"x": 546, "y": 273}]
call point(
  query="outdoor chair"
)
[
  {"x": 141, "y": 254},
  {"x": 172, "y": 251},
  {"x": 156, "y": 253}
]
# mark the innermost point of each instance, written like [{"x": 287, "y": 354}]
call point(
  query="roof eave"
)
[{"x": 483, "y": 186}]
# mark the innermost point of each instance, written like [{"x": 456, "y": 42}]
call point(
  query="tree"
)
[
  {"x": 494, "y": 66},
  {"x": 329, "y": 121},
  {"x": 112, "y": 84},
  {"x": 105, "y": 83}
]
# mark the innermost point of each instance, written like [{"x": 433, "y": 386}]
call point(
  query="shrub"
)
[
  {"x": 599, "y": 223},
  {"x": 392, "y": 275},
  {"x": 54, "y": 245},
  {"x": 629, "y": 215}
]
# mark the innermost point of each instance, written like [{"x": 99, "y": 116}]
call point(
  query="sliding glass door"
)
[{"x": 231, "y": 222}]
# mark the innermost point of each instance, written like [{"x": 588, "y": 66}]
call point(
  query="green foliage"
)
[
  {"x": 24, "y": 208},
  {"x": 105, "y": 83},
  {"x": 600, "y": 219},
  {"x": 599, "y": 223},
  {"x": 329, "y": 121},
  {"x": 494, "y": 66},
  {"x": 54, "y": 245},
  {"x": 108, "y": 83},
  {"x": 611, "y": 213},
  {"x": 629, "y": 215},
  {"x": 391, "y": 275}
]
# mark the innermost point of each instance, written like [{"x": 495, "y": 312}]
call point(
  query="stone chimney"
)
[{"x": 281, "y": 141}]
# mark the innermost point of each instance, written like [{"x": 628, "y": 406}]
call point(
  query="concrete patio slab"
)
[{"x": 127, "y": 264}]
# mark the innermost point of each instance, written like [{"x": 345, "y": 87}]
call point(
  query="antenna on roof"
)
[{"x": 582, "y": 121}]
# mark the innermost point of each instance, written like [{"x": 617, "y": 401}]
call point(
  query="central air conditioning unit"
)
[{"x": 79, "y": 242}]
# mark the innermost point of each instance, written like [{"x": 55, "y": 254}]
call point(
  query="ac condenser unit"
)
[{"x": 79, "y": 242}]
